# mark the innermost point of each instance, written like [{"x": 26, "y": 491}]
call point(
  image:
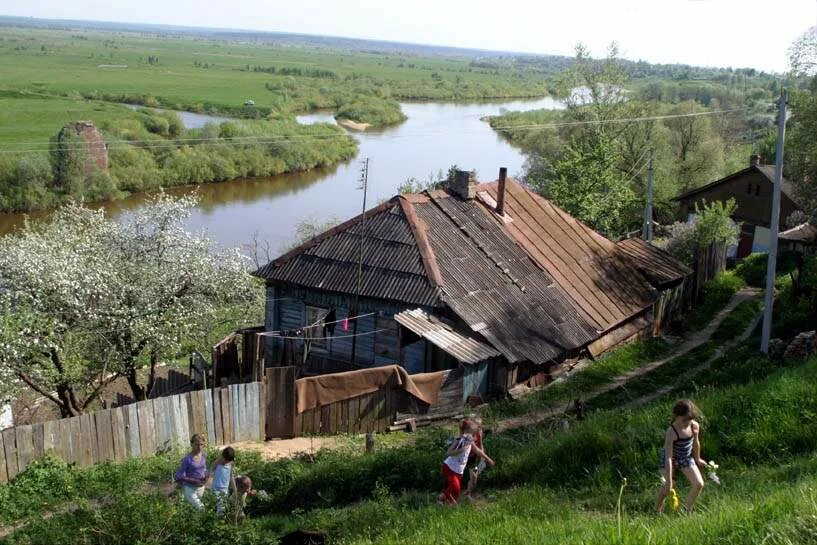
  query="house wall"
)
[
  {"x": 753, "y": 195},
  {"x": 286, "y": 309}
]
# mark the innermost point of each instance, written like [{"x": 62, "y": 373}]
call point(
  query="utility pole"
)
[
  {"x": 364, "y": 185},
  {"x": 774, "y": 226},
  {"x": 647, "y": 231}
]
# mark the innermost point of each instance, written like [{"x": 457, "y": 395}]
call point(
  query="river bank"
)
[{"x": 434, "y": 136}]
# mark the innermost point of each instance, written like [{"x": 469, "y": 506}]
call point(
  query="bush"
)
[{"x": 752, "y": 269}]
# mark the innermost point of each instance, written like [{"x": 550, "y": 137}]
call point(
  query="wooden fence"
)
[
  {"x": 224, "y": 415},
  {"x": 708, "y": 263}
]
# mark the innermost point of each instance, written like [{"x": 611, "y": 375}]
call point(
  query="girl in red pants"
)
[{"x": 454, "y": 464}]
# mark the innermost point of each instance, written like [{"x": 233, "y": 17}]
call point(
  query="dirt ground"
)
[{"x": 287, "y": 448}]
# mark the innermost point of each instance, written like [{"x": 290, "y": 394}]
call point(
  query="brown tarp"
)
[{"x": 325, "y": 389}]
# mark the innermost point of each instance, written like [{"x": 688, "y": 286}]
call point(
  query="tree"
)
[
  {"x": 587, "y": 184},
  {"x": 87, "y": 299},
  {"x": 801, "y": 147},
  {"x": 803, "y": 54},
  {"x": 712, "y": 224},
  {"x": 588, "y": 179},
  {"x": 697, "y": 149}
]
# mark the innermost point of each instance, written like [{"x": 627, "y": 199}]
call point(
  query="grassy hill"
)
[{"x": 592, "y": 483}]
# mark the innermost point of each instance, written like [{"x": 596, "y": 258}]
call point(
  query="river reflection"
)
[{"x": 435, "y": 136}]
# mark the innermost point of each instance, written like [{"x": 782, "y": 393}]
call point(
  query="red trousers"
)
[{"x": 451, "y": 492}]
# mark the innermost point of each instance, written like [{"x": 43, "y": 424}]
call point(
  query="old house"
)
[
  {"x": 490, "y": 278},
  {"x": 801, "y": 238},
  {"x": 752, "y": 190}
]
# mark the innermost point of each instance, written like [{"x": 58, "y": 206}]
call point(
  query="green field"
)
[{"x": 197, "y": 74}]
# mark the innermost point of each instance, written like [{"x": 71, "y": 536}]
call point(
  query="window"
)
[
  {"x": 757, "y": 191},
  {"x": 749, "y": 189},
  {"x": 315, "y": 317}
]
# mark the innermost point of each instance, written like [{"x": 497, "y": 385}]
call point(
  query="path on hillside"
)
[{"x": 688, "y": 345}]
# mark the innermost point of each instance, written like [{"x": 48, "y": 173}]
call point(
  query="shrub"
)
[{"x": 752, "y": 269}]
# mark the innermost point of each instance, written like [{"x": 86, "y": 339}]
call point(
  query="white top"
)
[{"x": 457, "y": 462}]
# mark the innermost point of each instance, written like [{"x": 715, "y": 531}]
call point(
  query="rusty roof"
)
[
  {"x": 463, "y": 347},
  {"x": 495, "y": 287},
  {"x": 656, "y": 264},
  {"x": 534, "y": 283},
  {"x": 601, "y": 282}
]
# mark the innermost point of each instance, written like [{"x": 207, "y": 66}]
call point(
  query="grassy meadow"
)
[{"x": 208, "y": 75}]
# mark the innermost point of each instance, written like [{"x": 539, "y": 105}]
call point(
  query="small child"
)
[
  {"x": 474, "y": 467},
  {"x": 243, "y": 488},
  {"x": 454, "y": 464},
  {"x": 683, "y": 443},
  {"x": 223, "y": 480}
]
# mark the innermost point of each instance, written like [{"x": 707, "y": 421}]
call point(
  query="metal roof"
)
[
  {"x": 805, "y": 233},
  {"x": 657, "y": 265},
  {"x": 601, "y": 282},
  {"x": 393, "y": 267},
  {"x": 442, "y": 335},
  {"x": 491, "y": 284}
]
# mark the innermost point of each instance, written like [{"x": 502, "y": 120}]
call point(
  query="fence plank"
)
[
  {"x": 104, "y": 445},
  {"x": 4, "y": 476},
  {"x": 38, "y": 439},
  {"x": 51, "y": 436},
  {"x": 227, "y": 415},
  {"x": 262, "y": 413},
  {"x": 235, "y": 413},
  {"x": 207, "y": 396},
  {"x": 133, "y": 431},
  {"x": 119, "y": 434},
  {"x": 87, "y": 441},
  {"x": 218, "y": 421},
  {"x": 10, "y": 450},
  {"x": 69, "y": 437},
  {"x": 25, "y": 447},
  {"x": 147, "y": 429}
]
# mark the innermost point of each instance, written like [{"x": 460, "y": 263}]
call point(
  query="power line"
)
[{"x": 270, "y": 139}]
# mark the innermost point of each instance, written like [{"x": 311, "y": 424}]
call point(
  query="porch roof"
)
[{"x": 463, "y": 348}]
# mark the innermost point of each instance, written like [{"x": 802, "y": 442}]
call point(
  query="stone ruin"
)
[{"x": 95, "y": 145}]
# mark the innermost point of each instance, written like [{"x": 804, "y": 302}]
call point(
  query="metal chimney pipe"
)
[{"x": 500, "y": 192}]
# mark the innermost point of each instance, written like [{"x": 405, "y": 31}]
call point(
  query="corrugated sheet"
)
[
  {"x": 462, "y": 347},
  {"x": 392, "y": 265},
  {"x": 603, "y": 284},
  {"x": 491, "y": 284},
  {"x": 658, "y": 266},
  {"x": 805, "y": 233}
]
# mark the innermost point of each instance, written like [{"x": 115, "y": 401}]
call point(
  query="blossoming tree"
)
[{"x": 86, "y": 299}]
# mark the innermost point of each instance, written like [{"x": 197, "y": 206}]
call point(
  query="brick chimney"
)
[
  {"x": 500, "y": 191},
  {"x": 463, "y": 185},
  {"x": 754, "y": 160}
]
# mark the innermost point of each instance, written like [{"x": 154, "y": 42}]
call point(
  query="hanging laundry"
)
[{"x": 346, "y": 324}]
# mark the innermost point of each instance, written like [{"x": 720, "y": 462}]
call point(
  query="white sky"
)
[{"x": 738, "y": 33}]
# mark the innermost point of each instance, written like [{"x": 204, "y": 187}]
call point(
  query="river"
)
[{"x": 435, "y": 136}]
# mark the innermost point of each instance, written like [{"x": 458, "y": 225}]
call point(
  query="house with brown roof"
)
[
  {"x": 489, "y": 278},
  {"x": 752, "y": 189}
]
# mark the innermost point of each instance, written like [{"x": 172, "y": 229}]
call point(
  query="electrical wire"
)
[{"x": 302, "y": 338}]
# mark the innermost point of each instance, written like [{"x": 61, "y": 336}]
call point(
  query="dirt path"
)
[{"x": 689, "y": 344}]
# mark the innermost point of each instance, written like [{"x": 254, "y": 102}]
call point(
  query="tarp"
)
[{"x": 321, "y": 390}]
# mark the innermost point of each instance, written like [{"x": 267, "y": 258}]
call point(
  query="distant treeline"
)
[
  {"x": 156, "y": 151},
  {"x": 293, "y": 71}
]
